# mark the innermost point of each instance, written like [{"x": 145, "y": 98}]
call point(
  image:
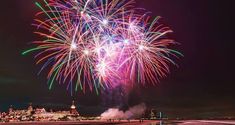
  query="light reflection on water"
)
[
  {"x": 160, "y": 123},
  {"x": 164, "y": 123}
]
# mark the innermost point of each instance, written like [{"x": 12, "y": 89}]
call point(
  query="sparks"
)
[
  {"x": 141, "y": 47},
  {"x": 73, "y": 46},
  {"x": 105, "y": 22},
  {"x": 86, "y": 52},
  {"x": 93, "y": 43}
]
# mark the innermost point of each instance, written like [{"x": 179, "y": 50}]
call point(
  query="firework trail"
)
[{"x": 100, "y": 44}]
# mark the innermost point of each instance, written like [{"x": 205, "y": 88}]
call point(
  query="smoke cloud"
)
[{"x": 132, "y": 113}]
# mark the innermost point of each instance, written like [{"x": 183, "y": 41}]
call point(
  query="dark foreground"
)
[{"x": 133, "y": 122}]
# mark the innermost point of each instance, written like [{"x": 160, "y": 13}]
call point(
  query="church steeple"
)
[
  {"x": 73, "y": 106},
  {"x": 30, "y": 108},
  {"x": 73, "y": 109},
  {"x": 10, "y": 110}
]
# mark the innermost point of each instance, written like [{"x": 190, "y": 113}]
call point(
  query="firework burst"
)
[{"x": 100, "y": 44}]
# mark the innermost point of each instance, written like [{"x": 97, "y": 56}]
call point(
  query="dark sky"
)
[{"x": 203, "y": 85}]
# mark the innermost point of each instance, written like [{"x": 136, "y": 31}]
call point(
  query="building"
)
[
  {"x": 10, "y": 110},
  {"x": 153, "y": 114},
  {"x": 40, "y": 114},
  {"x": 73, "y": 109},
  {"x": 30, "y": 108}
]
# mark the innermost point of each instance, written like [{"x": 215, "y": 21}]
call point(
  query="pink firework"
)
[{"x": 100, "y": 44}]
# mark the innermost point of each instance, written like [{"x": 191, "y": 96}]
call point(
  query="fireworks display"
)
[{"x": 100, "y": 44}]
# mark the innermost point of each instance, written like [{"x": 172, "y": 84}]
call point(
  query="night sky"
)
[{"x": 203, "y": 85}]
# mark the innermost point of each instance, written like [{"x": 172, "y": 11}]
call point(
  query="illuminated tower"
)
[
  {"x": 153, "y": 115},
  {"x": 10, "y": 110},
  {"x": 30, "y": 109},
  {"x": 73, "y": 109}
]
